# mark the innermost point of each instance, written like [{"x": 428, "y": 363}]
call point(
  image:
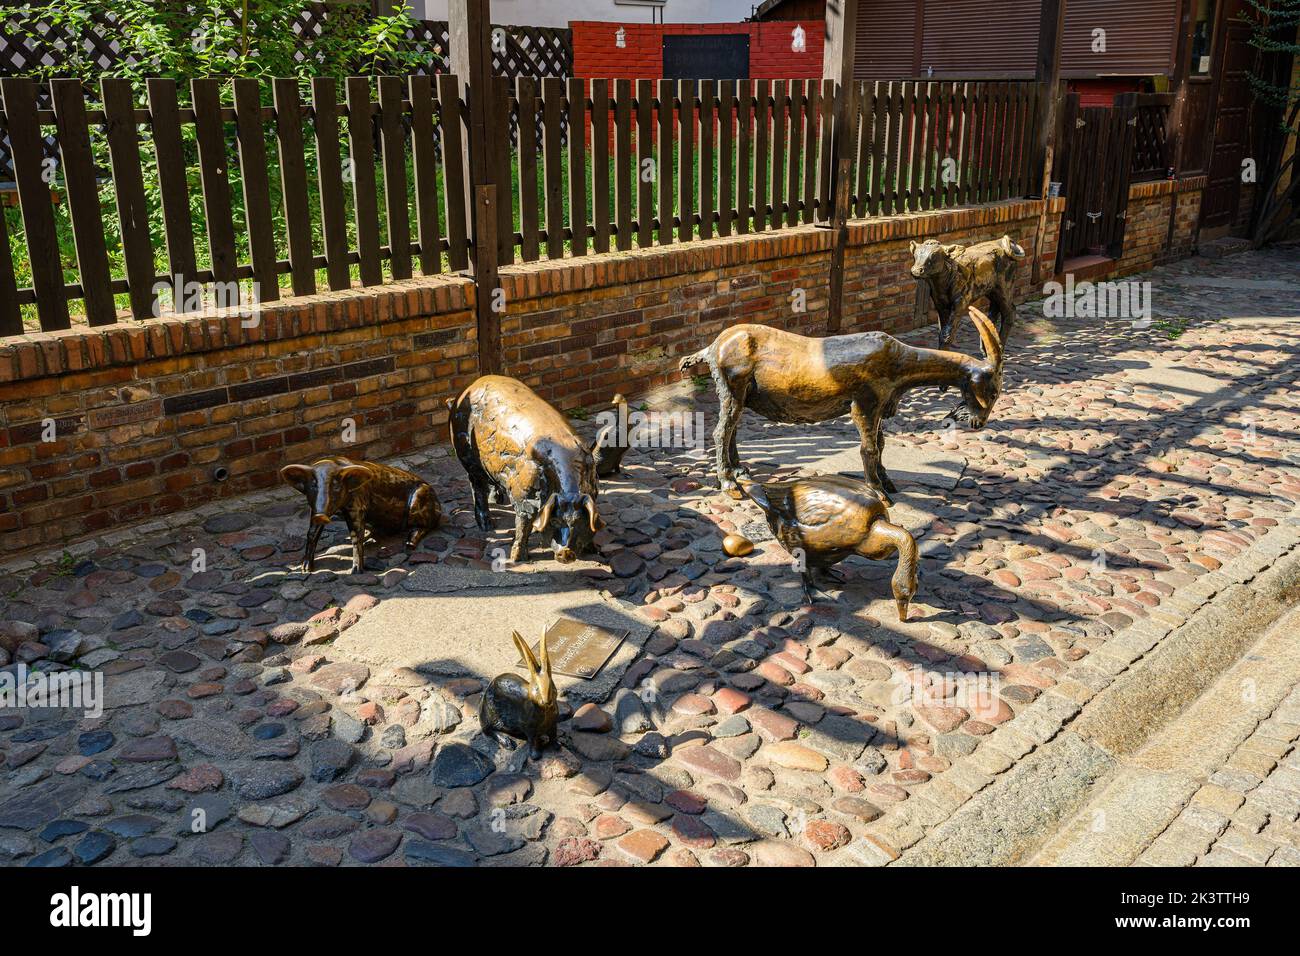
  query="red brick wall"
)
[
  {"x": 143, "y": 414},
  {"x": 595, "y": 54},
  {"x": 1146, "y": 229},
  {"x": 626, "y": 320}
]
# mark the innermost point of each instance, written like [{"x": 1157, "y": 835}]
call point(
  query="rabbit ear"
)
[
  {"x": 527, "y": 652},
  {"x": 545, "y": 685}
]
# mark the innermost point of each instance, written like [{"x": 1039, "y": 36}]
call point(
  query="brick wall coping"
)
[
  {"x": 81, "y": 349},
  {"x": 1163, "y": 187},
  {"x": 545, "y": 277}
]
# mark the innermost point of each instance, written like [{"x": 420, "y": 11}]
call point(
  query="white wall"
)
[{"x": 558, "y": 13}]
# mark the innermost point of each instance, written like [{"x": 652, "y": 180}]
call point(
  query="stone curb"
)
[{"x": 996, "y": 804}]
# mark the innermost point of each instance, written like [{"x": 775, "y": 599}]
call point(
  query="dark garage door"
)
[{"x": 723, "y": 56}]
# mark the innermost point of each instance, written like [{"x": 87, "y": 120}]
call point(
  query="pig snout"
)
[{"x": 563, "y": 543}]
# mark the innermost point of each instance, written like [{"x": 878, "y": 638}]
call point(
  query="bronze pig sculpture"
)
[
  {"x": 369, "y": 496},
  {"x": 959, "y": 276},
  {"x": 827, "y": 518},
  {"x": 613, "y": 441},
  {"x": 517, "y": 446},
  {"x": 795, "y": 379},
  {"x": 527, "y": 710}
]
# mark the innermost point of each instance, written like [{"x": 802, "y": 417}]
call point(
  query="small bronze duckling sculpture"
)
[
  {"x": 614, "y": 439},
  {"x": 527, "y": 710},
  {"x": 826, "y": 518}
]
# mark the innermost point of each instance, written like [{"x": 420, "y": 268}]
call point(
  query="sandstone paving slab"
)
[{"x": 452, "y": 622}]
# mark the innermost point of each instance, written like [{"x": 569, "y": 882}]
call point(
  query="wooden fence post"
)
[
  {"x": 837, "y": 65},
  {"x": 1047, "y": 73},
  {"x": 470, "y": 29}
]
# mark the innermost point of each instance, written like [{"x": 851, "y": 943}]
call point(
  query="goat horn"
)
[{"x": 988, "y": 336}]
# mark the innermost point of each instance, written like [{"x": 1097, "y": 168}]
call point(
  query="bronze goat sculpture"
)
[
  {"x": 959, "y": 276},
  {"x": 795, "y": 379}
]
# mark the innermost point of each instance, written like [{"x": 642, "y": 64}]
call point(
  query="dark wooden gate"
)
[
  {"x": 1094, "y": 169},
  {"x": 1232, "y": 98}
]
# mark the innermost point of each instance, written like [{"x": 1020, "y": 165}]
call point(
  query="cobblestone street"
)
[{"x": 1131, "y": 478}]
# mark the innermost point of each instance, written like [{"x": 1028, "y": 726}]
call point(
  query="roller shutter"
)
[
  {"x": 885, "y": 36},
  {"x": 1139, "y": 35},
  {"x": 976, "y": 38}
]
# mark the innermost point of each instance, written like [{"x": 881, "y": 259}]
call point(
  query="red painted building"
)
[{"x": 697, "y": 50}]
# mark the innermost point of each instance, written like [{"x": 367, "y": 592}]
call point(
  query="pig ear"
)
[
  {"x": 422, "y": 494},
  {"x": 544, "y": 516},
  {"x": 354, "y": 476},
  {"x": 911, "y": 247},
  {"x": 952, "y": 250},
  {"x": 593, "y": 516},
  {"x": 297, "y": 475}
]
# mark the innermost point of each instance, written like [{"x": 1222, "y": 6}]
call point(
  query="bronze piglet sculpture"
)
[
  {"x": 527, "y": 710},
  {"x": 827, "y": 518},
  {"x": 516, "y": 446},
  {"x": 369, "y": 496}
]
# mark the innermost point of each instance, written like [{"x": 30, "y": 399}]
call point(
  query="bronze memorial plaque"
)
[{"x": 578, "y": 649}]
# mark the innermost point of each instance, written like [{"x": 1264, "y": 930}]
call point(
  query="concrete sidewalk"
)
[{"x": 1097, "y": 565}]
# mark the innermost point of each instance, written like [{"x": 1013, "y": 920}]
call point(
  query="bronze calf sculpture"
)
[
  {"x": 959, "y": 276},
  {"x": 795, "y": 379},
  {"x": 527, "y": 710},
  {"x": 824, "y": 519},
  {"x": 368, "y": 495},
  {"x": 520, "y": 449}
]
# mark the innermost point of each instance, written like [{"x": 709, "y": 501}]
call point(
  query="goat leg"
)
[
  {"x": 868, "y": 424},
  {"x": 724, "y": 438},
  {"x": 885, "y": 481}
]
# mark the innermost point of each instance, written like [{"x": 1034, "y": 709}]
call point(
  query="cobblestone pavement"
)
[{"x": 1122, "y": 474}]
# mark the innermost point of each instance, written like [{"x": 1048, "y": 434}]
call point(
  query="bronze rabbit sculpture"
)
[
  {"x": 826, "y": 518},
  {"x": 526, "y": 710}
]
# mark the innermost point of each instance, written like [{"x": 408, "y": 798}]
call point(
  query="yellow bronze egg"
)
[{"x": 737, "y": 545}]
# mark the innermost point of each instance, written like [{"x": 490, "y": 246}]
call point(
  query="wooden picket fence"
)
[
  {"x": 352, "y": 143},
  {"x": 749, "y": 156},
  {"x": 251, "y": 182}
]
